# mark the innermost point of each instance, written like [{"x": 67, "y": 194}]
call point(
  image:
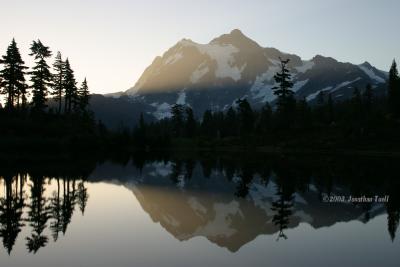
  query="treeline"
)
[
  {"x": 43, "y": 107},
  {"x": 366, "y": 120},
  {"x": 59, "y": 83}
]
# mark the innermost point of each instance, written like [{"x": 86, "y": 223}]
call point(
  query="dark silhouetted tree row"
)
[
  {"x": 364, "y": 120},
  {"x": 60, "y": 83},
  {"x": 44, "y": 109},
  {"x": 42, "y": 212}
]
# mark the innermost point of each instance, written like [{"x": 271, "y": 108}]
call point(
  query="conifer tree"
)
[
  {"x": 303, "y": 114},
  {"x": 264, "y": 119},
  {"x": 230, "y": 122},
  {"x": 177, "y": 119},
  {"x": 207, "y": 125},
  {"x": 286, "y": 102},
  {"x": 41, "y": 77},
  {"x": 69, "y": 87},
  {"x": 12, "y": 80},
  {"x": 246, "y": 116},
  {"x": 190, "y": 122},
  {"x": 321, "y": 98},
  {"x": 368, "y": 97},
  {"x": 83, "y": 96},
  {"x": 331, "y": 110},
  {"x": 393, "y": 90},
  {"x": 58, "y": 80}
]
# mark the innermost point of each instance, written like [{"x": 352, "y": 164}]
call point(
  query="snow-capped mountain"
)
[{"x": 232, "y": 66}]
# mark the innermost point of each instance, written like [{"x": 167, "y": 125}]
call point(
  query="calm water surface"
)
[{"x": 201, "y": 212}]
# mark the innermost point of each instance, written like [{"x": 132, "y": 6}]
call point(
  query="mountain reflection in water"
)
[{"x": 229, "y": 200}]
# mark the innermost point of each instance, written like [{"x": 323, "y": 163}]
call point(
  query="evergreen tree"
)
[
  {"x": 207, "y": 125},
  {"x": 69, "y": 87},
  {"x": 356, "y": 101},
  {"x": 303, "y": 114},
  {"x": 12, "y": 80},
  {"x": 246, "y": 116},
  {"x": 83, "y": 96},
  {"x": 331, "y": 111},
  {"x": 321, "y": 98},
  {"x": 368, "y": 98},
  {"x": 177, "y": 119},
  {"x": 394, "y": 90},
  {"x": 230, "y": 122},
  {"x": 140, "y": 132},
  {"x": 40, "y": 75},
  {"x": 190, "y": 122},
  {"x": 58, "y": 80},
  {"x": 263, "y": 123},
  {"x": 142, "y": 123},
  {"x": 286, "y": 101}
]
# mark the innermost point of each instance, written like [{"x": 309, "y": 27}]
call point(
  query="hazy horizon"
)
[{"x": 112, "y": 42}]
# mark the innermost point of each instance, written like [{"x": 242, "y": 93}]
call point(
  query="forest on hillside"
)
[
  {"x": 367, "y": 121},
  {"x": 50, "y": 113}
]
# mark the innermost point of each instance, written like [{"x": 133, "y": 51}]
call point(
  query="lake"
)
[{"x": 201, "y": 210}]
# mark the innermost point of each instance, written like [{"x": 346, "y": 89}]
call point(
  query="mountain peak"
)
[
  {"x": 237, "y": 39},
  {"x": 236, "y": 32},
  {"x": 366, "y": 64}
]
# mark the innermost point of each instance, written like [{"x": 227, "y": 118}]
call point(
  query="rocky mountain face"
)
[{"x": 232, "y": 66}]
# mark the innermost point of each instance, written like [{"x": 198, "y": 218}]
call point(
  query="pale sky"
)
[{"x": 112, "y": 42}]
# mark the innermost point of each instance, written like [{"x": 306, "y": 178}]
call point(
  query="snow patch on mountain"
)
[
  {"x": 314, "y": 95},
  {"x": 181, "y": 98},
  {"x": 201, "y": 70},
  {"x": 174, "y": 58},
  {"x": 307, "y": 65},
  {"x": 371, "y": 74},
  {"x": 298, "y": 85},
  {"x": 274, "y": 61},
  {"x": 343, "y": 84},
  {"x": 163, "y": 110},
  {"x": 261, "y": 87},
  {"x": 223, "y": 56}
]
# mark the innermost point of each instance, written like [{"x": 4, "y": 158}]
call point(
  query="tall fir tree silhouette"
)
[
  {"x": 70, "y": 88},
  {"x": 246, "y": 116},
  {"x": 286, "y": 102},
  {"x": 12, "y": 79},
  {"x": 368, "y": 98},
  {"x": 83, "y": 96},
  {"x": 394, "y": 90},
  {"x": 190, "y": 122},
  {"x": 58, "y": 80},
  {"x": 177, "y": 111},
  {"x": 41, "y": 77}
]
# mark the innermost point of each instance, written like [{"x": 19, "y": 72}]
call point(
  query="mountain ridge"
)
[{"x": 214, "y": 75}]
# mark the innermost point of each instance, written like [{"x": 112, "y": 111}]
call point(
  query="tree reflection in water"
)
[
  {"x": 45, "y": 200},
  {"x": 25, "y": 203}
]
